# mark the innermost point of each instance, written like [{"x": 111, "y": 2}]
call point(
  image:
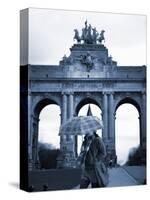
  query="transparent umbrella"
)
[{"x": 81, "y": 125}]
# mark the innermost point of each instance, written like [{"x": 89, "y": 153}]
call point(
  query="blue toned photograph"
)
[{"x": 82, "y": 100}]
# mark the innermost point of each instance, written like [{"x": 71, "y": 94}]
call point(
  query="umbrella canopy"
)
[{"x": 81, "y": 125}]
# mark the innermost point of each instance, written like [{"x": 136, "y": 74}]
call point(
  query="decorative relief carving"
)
[
  {"x": 87, "y": 60},
  {"x": 128, "y": 94},
  {"x": 88, "y": 94}
]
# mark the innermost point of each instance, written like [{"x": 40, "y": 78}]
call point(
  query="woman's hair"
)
[{"x": 95, "y": 134}]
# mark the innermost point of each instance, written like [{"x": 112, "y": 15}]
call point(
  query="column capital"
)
[
  {"x": 141, "y": 113},
  {"x": 63, "y": 93},
  {"x": 88, "y": 94},
  {"x": 46, "y": 94},
  {"x": 111, "y": 92},
  {"x": 108, "y": 92},
  {"x": 143, "y": 92},
  {"x": 128, "y": 94},
  {"x": 35, "y": 118},
  {"x": 67, "y": 93},
  {"x": 114, "y": 115},
  {"x": 71, "y": 93},
  {"x": 105, "y": 93},
  {"x": 29, "y": 93}
]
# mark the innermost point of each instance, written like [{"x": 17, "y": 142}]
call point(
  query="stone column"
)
[
  {"x": 29, "y": 121},
  {"x": 111, "y": 118},
  {"x": 64, "y": 108},
  {"x": 70, "y": 110},
  {"x": 111, "y": 129},
  {"x": 105, "y": 117},
  {"x": 63, "y": 115},
  {"x": 67, "y": 141},
  {"x": 35, "y": 156},
  {"x": 143, "y": 120},
  {"x": 71, "y": 138},
  {"x": 140, "y": 128}
]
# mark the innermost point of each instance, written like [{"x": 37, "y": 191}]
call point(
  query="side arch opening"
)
[
  {"x": 46, "y": 141},
  {"x": 127, "y": 129}
]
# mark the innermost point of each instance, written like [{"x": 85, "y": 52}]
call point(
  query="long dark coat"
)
[{"x": 94, "y": 168}]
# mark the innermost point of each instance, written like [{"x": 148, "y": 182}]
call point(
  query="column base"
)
[
  {"x": 66, "y": 160},
  {"x": 111, "y": 158},
  {"x": 33, "y": 165},
  {"x": 143, "y": 143},
  {"x": 36, "y": 165},
  {"x": 30, "y": 165}
]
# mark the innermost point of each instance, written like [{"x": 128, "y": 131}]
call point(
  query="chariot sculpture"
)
[{"x": 89, "y": 35}]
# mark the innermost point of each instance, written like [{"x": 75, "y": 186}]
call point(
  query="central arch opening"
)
[
  {"x": 86, "y": 107},
  {"x": 127, "y": 131}
]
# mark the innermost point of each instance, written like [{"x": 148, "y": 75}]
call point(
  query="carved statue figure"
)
[
  {"x": 89, "y": 37},
  {"x": 101, "y": 38},
  {"x": 109, "y": 60},
  {"x": 95, "y": 35},
  {"x": 76, "y": 36},
  {"x": 84, "y": 34},
  {"x": 86, "y": 23},
  {"x": 64, "y": 59},
  {"x": 87, "y": 60},
  {"x": 67, "y": 60}
]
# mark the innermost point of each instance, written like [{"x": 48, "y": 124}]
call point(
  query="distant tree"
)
[
  {"x": 137, "y": 156},
  {"x": 48, "y": 155}
]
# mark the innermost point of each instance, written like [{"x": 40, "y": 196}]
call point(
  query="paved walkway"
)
[
  {"x": 119, "y": 177},
  {"x": 137, "y": 172},
  {"x": 60, "y": 179}
]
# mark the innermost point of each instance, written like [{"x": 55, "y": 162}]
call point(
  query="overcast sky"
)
[{"x": 50, "y": 37}]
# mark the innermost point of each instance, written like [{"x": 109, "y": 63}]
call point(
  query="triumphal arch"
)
[{"x": 87, "y": 75}]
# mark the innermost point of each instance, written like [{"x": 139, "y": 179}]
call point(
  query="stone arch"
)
[
  {"x": 42, "y": 102},
  {"x": 84, "y": 101},
  {"x": 129, "y": 100}
]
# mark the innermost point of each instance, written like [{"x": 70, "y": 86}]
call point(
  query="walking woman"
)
[{"x": 91, "y": 159}]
